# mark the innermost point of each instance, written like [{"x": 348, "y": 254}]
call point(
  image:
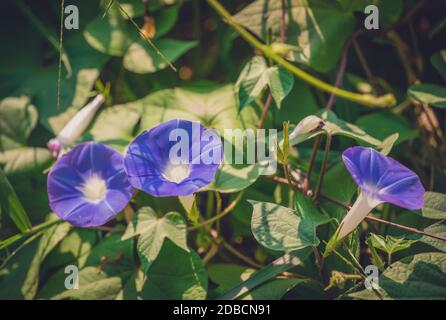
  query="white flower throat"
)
[
  {"x": 94, "y": 189},
  {"x": 176, "y": 172}
]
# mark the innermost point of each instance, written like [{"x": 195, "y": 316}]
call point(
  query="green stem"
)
[
  {"x": 323, "y": 168},
  {"x": 307, "y": 181},
  {"x": 220, "y": 215},
  {"x": 9, "y": 241},
  {"x": 364, "y": 99},
  {"x": 286, "y": 171}
]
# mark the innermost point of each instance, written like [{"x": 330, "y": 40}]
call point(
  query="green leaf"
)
[
  {"x": 175, "y": 274},
  {"x": 434, "y": 206},
  {"x": 280, "y": 83},
  {"x": 422, "y": 276},
  {"x": 75, "y": 90},
  {"x": 390, "y": 244},
  {"x": 229, "y": 275},
  {"x": 112, "y": 34},
  {"x": 280, "y": 228},
  {"x": 376, "y": 259},
  {"x": 272, "y": 270},
  {"x": 20, "y": 279},
  {"x": 256, "y": 75},
  {"x": 438, "y": 229},
  {"x": 232, "y": 178},
  {"x": 431, "y": 94},
  {"x": 214, "y": 107},
  {"x": 299, "y": 104},
  {"x": 337, "y": 126},
  {"x": 18, "y": 117},
  {"x": 12, "y": 205},
  {"x": 165, "y": 19},
  {"x": 439, "y": 62},
  {"x": 141, "y": 58},
  {"x": 135, "y": 8},
  {"x": 22, "y": 161},
  {"x": 114, "y": 126},
  {"x": 388, "y": 143},
  {"x": 317, "y": 28},
  {"x": 105, "y": 271},
  {"x": 96, "y": 284},
  {"x": 73, "y": 249},
  {"x": 308, "y": 211},
  {"x": 189, "y": 204},
  {"x": 383, "y": 124},
  {"x": 153, "y": 231}
]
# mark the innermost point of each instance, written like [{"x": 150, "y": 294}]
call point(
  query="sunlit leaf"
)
[
  {"x": 18, "y": 117},
  {"x": 434, "y": 206},
  {"x": 153, "y": 231},
  {"x": 390, "y": 244},
  {"x": 175, "y": 274},
  {"x": 280, "y": 228},
  {"x": 282, "y": 264},
  {"x": 317, "y": 28},
  {"x": 422, "y": 276},
  {"x": 256, "y": 75},
  {"x": 141, "y": 58},
  {"x": 214, "y": 107},
  {"x": 432, "y": 94}
]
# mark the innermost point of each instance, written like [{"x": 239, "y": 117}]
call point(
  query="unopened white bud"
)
[
  {"x": 74, "y": 129},
  {"x": 306, "y": 125}
]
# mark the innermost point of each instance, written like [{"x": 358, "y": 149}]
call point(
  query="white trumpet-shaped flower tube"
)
[
  {"x": 74, "y": 129},
  {"x": 381, "y": 179},
  {"x": 361, "y": 208}
]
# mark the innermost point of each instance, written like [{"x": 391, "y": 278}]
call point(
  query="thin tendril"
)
[{"x": 59, "y": 71}]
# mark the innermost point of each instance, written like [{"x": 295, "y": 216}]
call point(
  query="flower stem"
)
[
  {"x": 265, "y": 109},
  {"x": 317, "y": 143},
  {"x": 239, "y": 255},
  {"x": 364, "y": 99},
  {"x": 223, "y": 213},
  {"x": 323, "y": 168},
  {"x": 286, "y": 171},
  {"x": 368, "y": 218}
]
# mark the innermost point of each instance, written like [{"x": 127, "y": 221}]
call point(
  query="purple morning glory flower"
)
[
  {"x": 381, "y": 179},
  {"x": 175, "y": 158},
  {"x": 88, "y": 186}
]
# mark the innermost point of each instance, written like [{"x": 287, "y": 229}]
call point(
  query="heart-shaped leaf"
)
[
  {"x": 317, "y": 28},
  {"x": 256, "y": 75},
  {"x": 153, "y": 231},
  {"x": 280, "y": 228}
]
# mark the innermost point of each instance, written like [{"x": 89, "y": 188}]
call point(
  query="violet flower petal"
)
[
  {"x": 384, "y": 178},
  {"x": 88, "y": 186},
  {"x": 150, "y": 168}
]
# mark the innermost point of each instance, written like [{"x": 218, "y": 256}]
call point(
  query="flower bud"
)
[
  {"x": 74, "y": 129},
  {"x": 306, "y": 125}
]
